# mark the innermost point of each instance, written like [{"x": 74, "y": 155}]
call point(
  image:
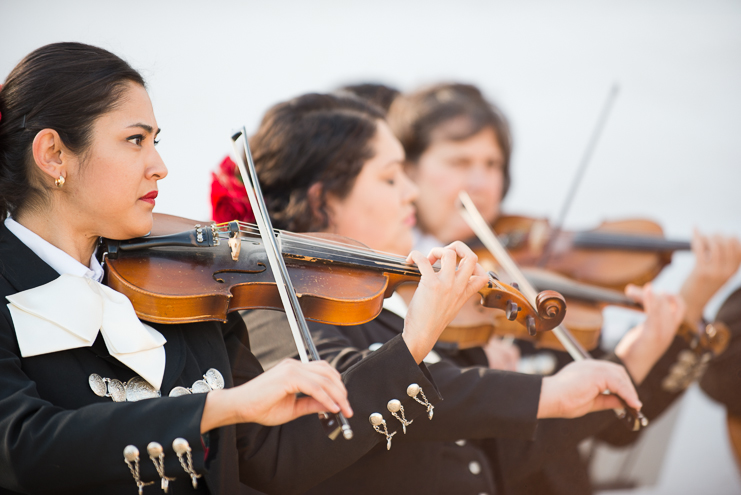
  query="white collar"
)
[
  {"x": 60, "y": 261},
  {"x": 70, "y": 311},
  {"x": 396, "y": 304}
]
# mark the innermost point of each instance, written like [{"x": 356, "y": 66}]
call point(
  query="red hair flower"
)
[{"x": 228, "y": 197}]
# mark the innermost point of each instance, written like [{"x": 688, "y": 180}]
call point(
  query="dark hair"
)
[
  {"x": 315, "y": 138},
  {"x": 378, "y": 94},
  {"x": 62, "y": 86},
  {"x": 417, "y": 119}
]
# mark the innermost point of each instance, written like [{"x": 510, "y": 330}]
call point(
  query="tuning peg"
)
[
  {"x": 512, "y": 310},
  {"x": 531, "y": 325}
]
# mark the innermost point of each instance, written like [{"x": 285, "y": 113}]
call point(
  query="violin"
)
[
  {"x": 630, "y": 417},
  {"x": 584, "y": 318},
  {"x": 206, "y": 271},
  {"x": 613, "y": 254}
]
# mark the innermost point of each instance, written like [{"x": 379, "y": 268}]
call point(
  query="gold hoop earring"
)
[{"x": 60, "y": 181}]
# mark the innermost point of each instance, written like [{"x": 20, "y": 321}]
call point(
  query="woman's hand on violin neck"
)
[
  {"x": 578, "y": 389},
  {"x": 717, "y": 259},
  {"x": 270, "y": 398},
  {"x": 644, "y": 344},
  {"x": 439, "y": 296}
]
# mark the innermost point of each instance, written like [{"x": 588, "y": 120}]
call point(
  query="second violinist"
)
[{"x": 331, "y": 164}]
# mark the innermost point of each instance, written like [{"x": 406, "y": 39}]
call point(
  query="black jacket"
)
[
  {"x": 722, "y": 380},
  {"x": 491, "y": 414},
  {"x": 442, "y": 456},
  {"x": 551, "y": 463},
  {"x": 57, "y": 436}
]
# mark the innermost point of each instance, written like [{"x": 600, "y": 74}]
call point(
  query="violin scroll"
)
[
  {"x": 551, "y": 305},
  {"x": 547, "y": 315}
]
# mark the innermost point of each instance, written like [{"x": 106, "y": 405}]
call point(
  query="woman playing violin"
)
[
  {"x": 93, "y": 400},
  {"x": 331, "y": 164},
  {"x": 455, "y": 140}
]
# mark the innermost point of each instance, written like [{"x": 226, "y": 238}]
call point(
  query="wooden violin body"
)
[
  {"x": 613, "y": 255},
  {"x": 192, "y": 275}
]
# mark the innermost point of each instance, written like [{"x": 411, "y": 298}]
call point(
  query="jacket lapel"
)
[{"x": 19, "y": 265}]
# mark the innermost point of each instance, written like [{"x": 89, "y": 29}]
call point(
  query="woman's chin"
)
[
  {"x": 404, "y": 245},
  {"x": 139, "y": 226}
]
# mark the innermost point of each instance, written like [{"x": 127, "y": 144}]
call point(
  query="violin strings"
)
[
  {"x": 333, "y": 246},
  {"x": 340, "y": 248},
  {"x": 329, "y": 246}
]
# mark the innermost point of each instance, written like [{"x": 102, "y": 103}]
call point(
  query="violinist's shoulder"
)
[
  {"x": 270, "y": 337},
  {"x": 6, "y": 288},
  {"x": 260, "y": 320}
]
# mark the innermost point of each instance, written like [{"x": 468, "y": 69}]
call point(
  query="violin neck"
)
[
  {"x": 580, "y": 291},
  {"x": 605, "y": 240}
]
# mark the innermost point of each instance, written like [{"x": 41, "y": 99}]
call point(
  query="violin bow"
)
[
  {"x": 580, "y": 171},
  {"x": 633, "y": 418},
  {"x": 333, "y": 423}
]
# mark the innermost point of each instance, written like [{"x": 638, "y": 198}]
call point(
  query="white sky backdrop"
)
[{"x": 670, "y": 150}]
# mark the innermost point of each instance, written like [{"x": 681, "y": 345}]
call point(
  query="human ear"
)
[
  {"x": 50, "y": 154},
  {"x": 314, "y": 198}
]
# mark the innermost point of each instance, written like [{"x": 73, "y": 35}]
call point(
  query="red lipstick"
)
[{"x": 149, "y": 197}]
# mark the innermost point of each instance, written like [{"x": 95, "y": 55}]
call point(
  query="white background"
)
[{"x": 669, "y": 152}]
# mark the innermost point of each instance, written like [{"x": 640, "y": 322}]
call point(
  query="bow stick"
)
[
  {"x": 333, "y": 423},
  {"x": 591, "y": 145},
  {"x": 633, "y": 418}
]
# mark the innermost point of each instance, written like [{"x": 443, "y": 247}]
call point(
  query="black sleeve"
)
[
  {"x": 81, "y": 448},
  {"x": 296, "y": 456},
  {"x": 478, "y": 402},
  {"x": 722, "y": 380},
  {"x": 557, "y": 437},
  {"x": 655, "y": 397}
]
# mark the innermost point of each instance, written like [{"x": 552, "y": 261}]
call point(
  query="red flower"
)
[{"x": 228, "y": 197}]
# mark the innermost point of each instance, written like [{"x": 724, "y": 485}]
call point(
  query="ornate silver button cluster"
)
[
  {"x": 182, "y": 449},
  {"x": 212, "y": 380},
  {"x": 413, "y": 390},
  {"x": 131, "y": 455},
  {"x": 133, "y": 390},
  {"x": 688, "y": 368},
  {"x": 376, "y": 419},
  {"x": 157, "y": 454},
  {"x": 138, "y": 388},
  {"x": 395, "y": 408}
]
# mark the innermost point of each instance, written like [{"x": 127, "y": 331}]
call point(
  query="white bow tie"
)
[{"x": 68, "y": 313}]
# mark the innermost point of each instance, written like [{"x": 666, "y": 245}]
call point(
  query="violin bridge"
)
[{"x": 235, "y": 240}]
